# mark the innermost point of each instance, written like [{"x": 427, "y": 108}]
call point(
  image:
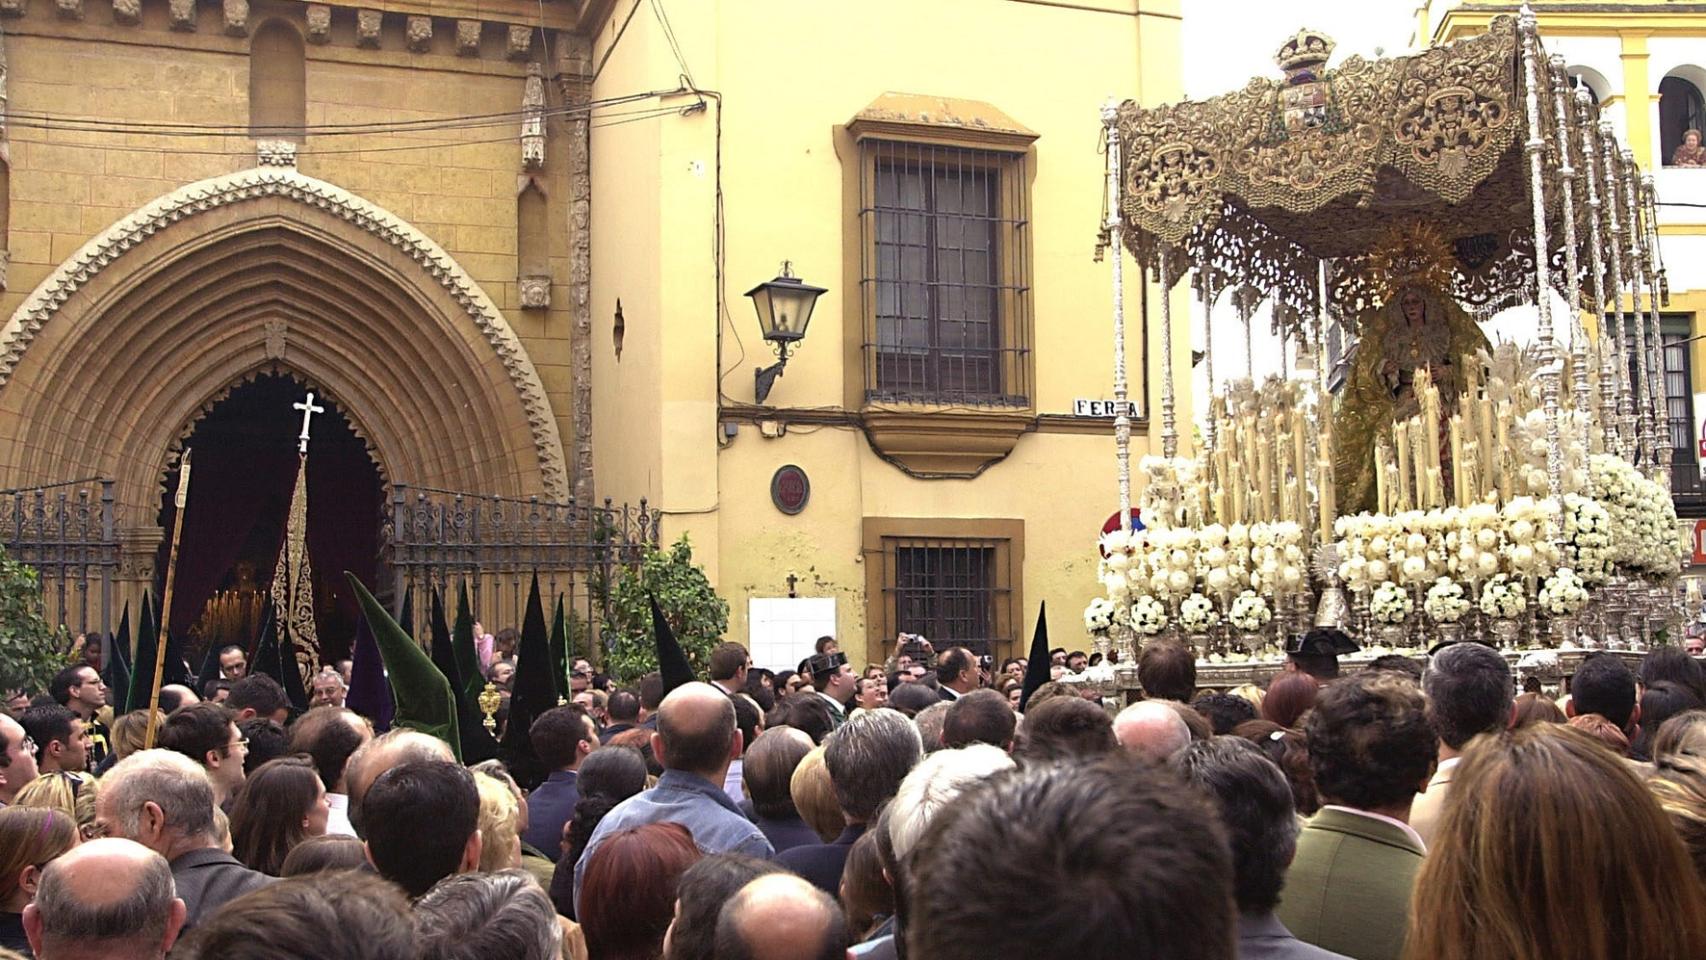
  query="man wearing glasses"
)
[
  {"x": 80, "y": 690},
  {"x": 17, "y": 759},
  {"x": 206, "y": 733}
]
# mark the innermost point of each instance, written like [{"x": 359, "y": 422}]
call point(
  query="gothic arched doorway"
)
[{"x": 244, "y": 469}]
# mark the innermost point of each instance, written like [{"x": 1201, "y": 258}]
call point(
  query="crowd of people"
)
[{"x": 934, "y": 806}]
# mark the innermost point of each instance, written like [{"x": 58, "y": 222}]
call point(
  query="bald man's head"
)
[
  {"x": 696, "y": 730},
  {"x": 393, "y": 749},
  {"x": 781, "y": 917},
  {"x": 1151, "y": 730},
  {"x": 105, "y": 898}
]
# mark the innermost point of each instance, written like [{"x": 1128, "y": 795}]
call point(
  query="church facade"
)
[{"x": 507, "y": 244}]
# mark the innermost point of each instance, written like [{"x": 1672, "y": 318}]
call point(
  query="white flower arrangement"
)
[
  {"x": 1249, "y": 612},
  {"x": 1197, "y": 614},
  {"x": 1446, "y": 601},
  {"x": 1642, "y": 518},
  {"x": 1563, "y": 594},
  {"x": 1390, "y": 603},
  {"x": 1587, "y": 539},
  {"x": 1503, "y": 597},
  {"x": 1148, "y": 616},
  {"x": 1099, "y": 616}
]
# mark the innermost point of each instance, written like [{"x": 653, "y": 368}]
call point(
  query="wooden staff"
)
[{"x": 179, "y": 500}]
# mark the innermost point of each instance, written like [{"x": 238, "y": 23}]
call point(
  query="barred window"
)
[
  {"x": 1679, "y": 406},
  {"x": 944, "y": 274},
  {"x": 955, "y": 592}
]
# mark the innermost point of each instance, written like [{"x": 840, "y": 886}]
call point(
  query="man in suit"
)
[
  {"x": 835, "y": 682},
  {"x": 957, "y": 673},
  {"x": 561, "y": 737},
  {"x": 1469, "y": 692},
  {"x": 106, "y": 898},
  {"x": 1255, "y": 804},
  {"x": 1371, "y": 750},
  {"x": 164, "y": 801},
  {"x": 624, "y": 711},
  {"x": 867, "y": 758}
]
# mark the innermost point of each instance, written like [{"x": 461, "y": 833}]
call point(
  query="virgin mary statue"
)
[{"x": 1418, "y": 327}]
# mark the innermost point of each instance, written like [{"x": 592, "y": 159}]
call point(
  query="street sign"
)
[{"x": 1105, "y": 409}]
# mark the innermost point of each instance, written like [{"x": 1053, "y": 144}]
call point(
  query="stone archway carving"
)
[{"x": 317, "y": 220}]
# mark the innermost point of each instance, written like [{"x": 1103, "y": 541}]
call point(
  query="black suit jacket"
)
[
  {"x": 948, "y": 694},
  {"x": 822, "y": 863},
  {"x": 208, "y": 879}
]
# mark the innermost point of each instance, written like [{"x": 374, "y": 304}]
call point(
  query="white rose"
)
[
  {"x": 1179, "y": 581},
  {"x": 1486, "y": 538},
  {"x": 1377, "y": 570},
  {"x": 1487, "y": 564}
]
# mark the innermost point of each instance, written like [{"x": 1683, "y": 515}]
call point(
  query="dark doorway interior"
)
[{"x": 243, "y": 471}]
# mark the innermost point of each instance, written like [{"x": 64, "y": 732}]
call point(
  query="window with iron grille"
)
[
  {"x": 944, "y": 277},
  {"x": 954, "y": 592},
  {"x": 1679, "y": 398},
  {"x": 1679, "y": 405}
]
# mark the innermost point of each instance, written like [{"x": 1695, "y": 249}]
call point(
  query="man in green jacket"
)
[{"x": 1372, "y": 750}]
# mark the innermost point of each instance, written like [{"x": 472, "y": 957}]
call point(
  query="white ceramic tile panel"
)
[{"x": 782, "y": 630}]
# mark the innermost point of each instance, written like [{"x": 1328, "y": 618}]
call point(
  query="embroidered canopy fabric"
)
[{"x": 1256, "y": 186}]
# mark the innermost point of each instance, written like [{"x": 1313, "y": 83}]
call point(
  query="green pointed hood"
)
[
  {"x": 560, "y": 649},
  {"x": 534, "y": 691},
  {"x": 466, "y": 654},
  {"x": 1037, "y": 670},
  {"x": 477, "y": 742},
  {"x": 422, "y": 694}
]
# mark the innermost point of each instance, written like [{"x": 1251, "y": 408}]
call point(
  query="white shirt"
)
[
  {"x": 1409, "y": 830},
  {"x": 337, "y": 820},
  {"x": 731, "y": 783}
]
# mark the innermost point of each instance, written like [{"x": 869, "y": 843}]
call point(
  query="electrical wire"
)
[
  {"x": 42, "y": 121},
  {"x": 669, "y": 35}
]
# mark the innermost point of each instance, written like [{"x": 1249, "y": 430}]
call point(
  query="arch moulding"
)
[{"x": 45, "y": 302}]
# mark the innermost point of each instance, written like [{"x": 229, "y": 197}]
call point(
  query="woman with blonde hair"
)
[
  {"x": 814, "y": 797},
  {"x": 500, "y": 831},
  {"x": 53, "y": 791},
  {"x": 30, "y": 837},
  {"x": 128, "y": 734},
  {"x": 1680, "y": 788},
  {"x": 1550, "y": 849}
]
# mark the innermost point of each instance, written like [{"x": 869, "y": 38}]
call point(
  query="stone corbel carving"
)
[
  {"x": 237, "y": 18},
  {"x": 69, "y": 9},
  {"x": 420, "y": 34},
  {"x": 127, "y": 12},
  {"x": 182, "y": 13},
  {"x": 319, "y": 23},
  {"x": 275, "y": 153},
  {"x": 276, "y": 330},
  {"x": 520, "y": 41},
  {"x": 533, "y": 119},
  {"x": 535, "y": 293},
  {"x": 468, "y": 38},
  {"x": 5, "y": 267},
  {"x": 14, "y": 8},
  {"x": 367, "y": 27}
]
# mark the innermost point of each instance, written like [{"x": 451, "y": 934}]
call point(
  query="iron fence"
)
[
  {"x": 493, "y": 546},
  {"x": 66, "y": 531}
]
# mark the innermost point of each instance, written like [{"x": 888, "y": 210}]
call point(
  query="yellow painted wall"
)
[{"x": 789, "y": 75}]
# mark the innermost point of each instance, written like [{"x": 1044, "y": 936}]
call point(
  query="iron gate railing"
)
[
  {"x": 66, "y": 532},
  {"x": 494, "y": 545}
]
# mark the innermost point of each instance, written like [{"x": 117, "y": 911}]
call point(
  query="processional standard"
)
[{"x": 1451, "y": 489}]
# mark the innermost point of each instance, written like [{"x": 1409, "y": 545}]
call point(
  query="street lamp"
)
[{"x": 784, "y": 308}]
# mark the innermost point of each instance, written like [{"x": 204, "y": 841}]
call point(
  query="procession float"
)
[{"x": 1435, "y": 486}]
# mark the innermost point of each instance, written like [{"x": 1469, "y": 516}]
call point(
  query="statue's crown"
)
[{"x": 1309, "y": 48}]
